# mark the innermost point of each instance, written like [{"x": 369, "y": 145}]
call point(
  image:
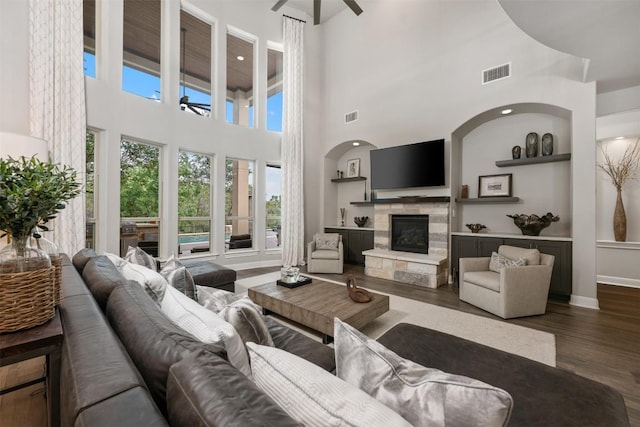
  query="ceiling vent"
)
[
  {"x": 351, "y": 117},
  {"x": 496, "y": 73}
]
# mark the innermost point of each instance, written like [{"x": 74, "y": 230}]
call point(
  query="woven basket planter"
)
[
  {"x": 26, "y": 299},
  {"x": 56, "y": 263}
]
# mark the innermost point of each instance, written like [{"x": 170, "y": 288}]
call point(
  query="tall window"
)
[
  {"x": 141, "y": 48},
  {"x": 139, "y": 196},
  {"x": 239, "y": 210},
  {"x": 274, "y": 90},
  {"x": 90, "y": 193},
  {"x": 195, "y": 65},
  {"x": 89, "y": 30},
  {"x": 273, "y": 198},
  {"x": 239, "y": 81},
  {"x": 194, "y": 203}
]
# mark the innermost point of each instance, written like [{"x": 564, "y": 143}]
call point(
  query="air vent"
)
[
  {"x": 351, "y": 117},
  {"x": 496, "y": 73}
]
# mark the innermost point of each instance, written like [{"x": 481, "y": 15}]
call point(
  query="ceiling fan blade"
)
[
  {"x": 316, "y": 12},
  {"x": 194, "y": 110},
  {"x": 278, "y": 5},
  {"x": 201, "y": 106},
  {"x": 353, "y": 6}
]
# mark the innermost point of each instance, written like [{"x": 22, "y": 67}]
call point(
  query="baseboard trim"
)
[
  {"x": 585, "y": 302},
  {"x": 619, "y": 281}
]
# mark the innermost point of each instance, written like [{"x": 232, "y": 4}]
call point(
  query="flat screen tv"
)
[{"x": 408, "y": 166}]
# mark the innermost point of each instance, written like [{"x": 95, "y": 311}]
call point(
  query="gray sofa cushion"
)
[
  {"x": 542, "y": 395},
  {"x": 207, "y": 391},
  {"x": 82, "y": 257},
  {"x": 152, "y": 341},
  {"x": 301, "y": 345},
  {"x": 102, "y": 277},
  {"x": 96, "y": 371}
]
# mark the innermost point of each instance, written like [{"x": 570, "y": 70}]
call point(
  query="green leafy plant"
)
[{"x": 32, "y": 192}]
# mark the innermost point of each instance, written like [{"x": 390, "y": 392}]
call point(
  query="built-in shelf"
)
[
  {"x": 355, "y": 178},
  {"x": 534, "y": 160},
  {"x": 413, "y": 199},
  {"x": 489, "y": 200},
  {"x": 361, "y": 203}
]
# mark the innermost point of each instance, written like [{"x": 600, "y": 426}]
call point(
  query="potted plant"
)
[{"x": 31, "y": 194}]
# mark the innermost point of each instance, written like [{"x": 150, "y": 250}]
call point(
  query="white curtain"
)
[
  {"x": 293, "y": 144},
  {"x": 57, "y": 99}
]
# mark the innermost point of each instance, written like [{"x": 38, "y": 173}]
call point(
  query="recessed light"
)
[
  {"x": 507, "y": 111},
  {"x": 356, "y": 143},
  {"x": 240, "y": 58},
  {"x": 619, "y": 137}
]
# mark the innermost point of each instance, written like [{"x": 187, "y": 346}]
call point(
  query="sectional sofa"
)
[{"x": 124, "y": 363}]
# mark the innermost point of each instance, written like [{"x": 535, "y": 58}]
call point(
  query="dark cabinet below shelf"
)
[
  {"x": 354, "y": 242},
  {"x": 478, "y": 246}
]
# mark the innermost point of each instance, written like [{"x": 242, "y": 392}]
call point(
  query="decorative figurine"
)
[
  {"x": 355, "y": 293},
  {"x": 475, "y": 228}
]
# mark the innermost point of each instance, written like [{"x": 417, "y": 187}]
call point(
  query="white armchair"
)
[
  {"x": 511, "y": 292},
  {"x": 325, "y": 253}
]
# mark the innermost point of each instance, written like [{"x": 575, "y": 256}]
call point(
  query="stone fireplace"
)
[{"x": 410, "y": 241}]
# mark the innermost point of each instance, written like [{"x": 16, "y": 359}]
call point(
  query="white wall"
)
[
  {"x": 413, "y": 70},
  {"x": 14, "y": 66}
]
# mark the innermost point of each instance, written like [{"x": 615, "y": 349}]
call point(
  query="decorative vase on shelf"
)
[
  {"x": 531, "y": 144},
  {"x": 516, "y": 151},
  {"x": 464, "y": 192},
  {"x": 619, "y": 220},
  {"x": 547, "y": 144}
]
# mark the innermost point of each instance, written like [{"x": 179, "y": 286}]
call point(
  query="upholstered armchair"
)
[
  {"x": 325, "y": 253},
  {"x": 514, "y": 282}
]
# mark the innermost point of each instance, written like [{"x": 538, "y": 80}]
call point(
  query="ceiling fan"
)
[
  {"x": 316, "y": 8},
  {"x": 195, "y": 107}
]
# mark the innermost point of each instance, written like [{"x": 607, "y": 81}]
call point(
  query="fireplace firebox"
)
[{"x": 410, "y": 233}]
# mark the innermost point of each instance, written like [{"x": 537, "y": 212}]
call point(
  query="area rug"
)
[{"x": 530, "y": 343}]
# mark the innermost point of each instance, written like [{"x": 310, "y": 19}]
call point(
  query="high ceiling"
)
[{"x": 604, "y": 32}]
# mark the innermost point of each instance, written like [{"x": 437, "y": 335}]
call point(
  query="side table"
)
[{"x": 43, "y": 340}]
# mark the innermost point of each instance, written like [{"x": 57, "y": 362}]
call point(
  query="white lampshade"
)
[{"x": 16, "y": 145}]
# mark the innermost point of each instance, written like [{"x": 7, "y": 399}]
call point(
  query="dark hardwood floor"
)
[{"x": 603, "y": 345}]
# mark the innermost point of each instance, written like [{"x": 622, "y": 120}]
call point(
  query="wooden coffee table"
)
[{"x": 316, "y": 305}]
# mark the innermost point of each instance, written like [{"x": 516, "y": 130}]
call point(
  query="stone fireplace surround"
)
[{"x": 428, "y": 270}]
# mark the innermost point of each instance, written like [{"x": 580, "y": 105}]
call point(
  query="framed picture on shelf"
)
[
  {"x": 494, "y": 185},
  {"x": 353, "y": 168}
]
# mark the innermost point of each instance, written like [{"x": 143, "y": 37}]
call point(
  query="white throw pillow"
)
[
  {"x": 115, "y": 259},
  {"x": 423, "y": 396},
  {"x": 498, "y": 262},
  {"x": 150, "y": 280},
  {"x": 205, "y": 326},
  {"x": 327, "y": 241},
  {"x": 313, "y": 396}
]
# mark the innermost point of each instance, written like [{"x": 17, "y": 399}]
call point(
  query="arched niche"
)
[
  {"x": 340, "y": 195},
  {"x": 489, "y": 136}
]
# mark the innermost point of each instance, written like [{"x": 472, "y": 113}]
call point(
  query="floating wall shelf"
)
[
  {"x": 490, "y": 200},
  {"x": 534, "y": 160},
  {"x": 355, "y": 178},
  {"x": 361, "y": 203}
]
